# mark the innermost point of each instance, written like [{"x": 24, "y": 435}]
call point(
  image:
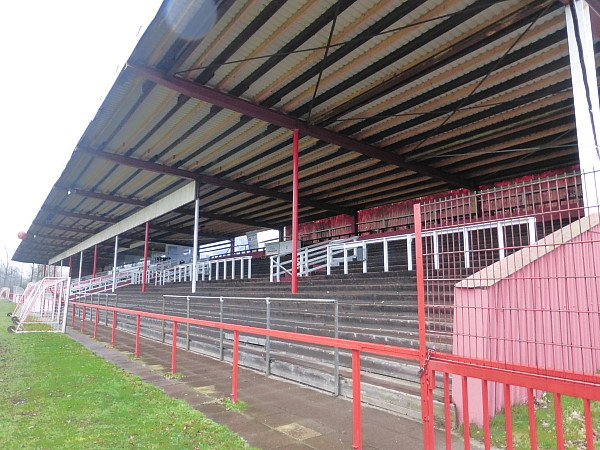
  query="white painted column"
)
[
  {"x": 80, "y": 264},
  {"x": 114, "y": 280},
  {"x": 585, "y": 98},
  {"x": 195, "y": 250}
]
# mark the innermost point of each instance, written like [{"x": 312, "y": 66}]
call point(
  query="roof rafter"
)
[
  {"x": 209, "y": 179},
  {"x": 247, "y": 108},
  {"x": 92, "y": 217}
]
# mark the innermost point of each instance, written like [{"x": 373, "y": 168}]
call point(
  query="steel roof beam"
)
[
  {"x": 247, "y": 108},
  {"x": 92, "y": 217},
  {"x": 63, "y": 228},
  {"x": 106, "y": 197},
  {"x": 209, "y": 179}
]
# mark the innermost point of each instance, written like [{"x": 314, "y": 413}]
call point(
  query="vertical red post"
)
[
  {"x": 82, "y": 318},
  {"x": 508, "y": 417},
  {"x": 447, "y": 416},
  {"x": 234, "y": 370},
  {"x": 560, "y": 436},
  {"x": 96, "y": 322},
  {"x": 137, "y": 335},
  {"x": 426, "y": 414},
  {"x": 73, "y": 316},
  {"x": 145, "y": 268},
  {"x": 532, "y": 422},
  {"x": 174, "y": 350},
  {"x": 466, "y": 418},
  {"x": 356, "y": 411},
  {"x": 95, "y": 260},
  {"x": 295, "y": 214},
  {"x": 114, "y": 329}
]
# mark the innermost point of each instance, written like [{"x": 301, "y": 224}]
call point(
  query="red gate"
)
[{"x": 509, "y": 313}]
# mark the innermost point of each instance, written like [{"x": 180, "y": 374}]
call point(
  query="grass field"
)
[{"x": 56, "y": 394}]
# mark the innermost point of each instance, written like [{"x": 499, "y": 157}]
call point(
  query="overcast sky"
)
[{"x": 59, "y": 60}]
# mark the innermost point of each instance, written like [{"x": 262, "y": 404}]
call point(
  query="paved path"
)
[{"x": 280, "y": 414}]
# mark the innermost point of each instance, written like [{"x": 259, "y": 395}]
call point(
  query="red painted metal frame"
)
[
  {"x": 355, "y": 346},
  {"x": 356, "y": 410},
  {"x": 138, "y": 324},
  {"x": 95, "y": 260},
  {"x": 173, "y": 349},
  {"x": 295, "y": 214},
  {"x": 145, "y": 256}
]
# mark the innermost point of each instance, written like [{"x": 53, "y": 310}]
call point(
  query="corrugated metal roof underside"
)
[{"x": 479, "y": 90}]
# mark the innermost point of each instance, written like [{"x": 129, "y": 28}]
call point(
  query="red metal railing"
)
[
  {"x": 357, "y": 347},
  {"x": 523, "y": 319}
]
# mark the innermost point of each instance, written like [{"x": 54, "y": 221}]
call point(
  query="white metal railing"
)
[
  {"x": 336, "y": 248},
  {"x": 310, "y": 259},
  {"x": 207, "y": 270}
]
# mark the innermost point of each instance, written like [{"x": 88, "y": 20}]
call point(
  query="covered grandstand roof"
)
[{"x": 393, "y": 99}]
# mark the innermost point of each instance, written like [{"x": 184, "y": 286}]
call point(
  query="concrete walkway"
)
[{"x": 279, "y": 415}]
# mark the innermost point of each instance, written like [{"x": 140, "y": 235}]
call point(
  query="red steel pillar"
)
[
  {"x": 295, "y": 215},
  {"x": 425, "y": 373},
  {"x": 95, "y": 259},
  {"x": 145, "y": 257}
]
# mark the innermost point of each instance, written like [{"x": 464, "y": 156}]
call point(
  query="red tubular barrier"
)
[
  {"x": 174, "y": 350},
  {"x": 589, "y": 433},
  {"x": 560, "y": 440},
  {"x": 73, "y": 317},
  {"x": 531, "y": 412},
  {"x": 447, "y": 418},
  {"x": 234, "y": 370},
  {"x": 96, "y": 322},
  {"x": 356, "y": 412},
  {"x": 137, "y": 335},
  {"x": 114, "y": 328},
  {"x": 82, "y": 318},
  {"x": 508, "y": 417},
  {"x": 487, "y": 438},
  {"x": 466, "y": 421}
]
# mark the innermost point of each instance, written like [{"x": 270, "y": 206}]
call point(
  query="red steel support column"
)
[
  {"x": 234, "y": 370},
  {"x": 425, "y": 391},
  {"x": 145, "y": 257},
  {"x": 295, "y": 215},
  {"x": 356, "y": 412},
  {"x": 174, "y": 350},
  {"x": 95, "y": 260}
]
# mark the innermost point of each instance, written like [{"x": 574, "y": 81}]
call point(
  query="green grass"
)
[
  {"x": 56, "y": 394},
  {"x": 573, "y": 425}
]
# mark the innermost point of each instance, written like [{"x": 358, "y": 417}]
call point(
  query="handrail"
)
[
  {"x": 336, "y": 247},
  {"x": 267, "y": 301},
  {"x": 355, "y": 346},
  {"x": 311, "y": 258}
]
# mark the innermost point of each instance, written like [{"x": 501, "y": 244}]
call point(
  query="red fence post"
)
[
  {"x": 234, "y": 373},
  {"x": 96, "y": 322},
  {"x": 114, "y": 328},
  {"x": 137, "y": 335},
  {"x": 73, "y": 317},
  {"x": 82, "y": 318},
  {"x": 426, "y": 400},
  {"x": 174, "y": 350},
  {"x": 356, "y": 412}
]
